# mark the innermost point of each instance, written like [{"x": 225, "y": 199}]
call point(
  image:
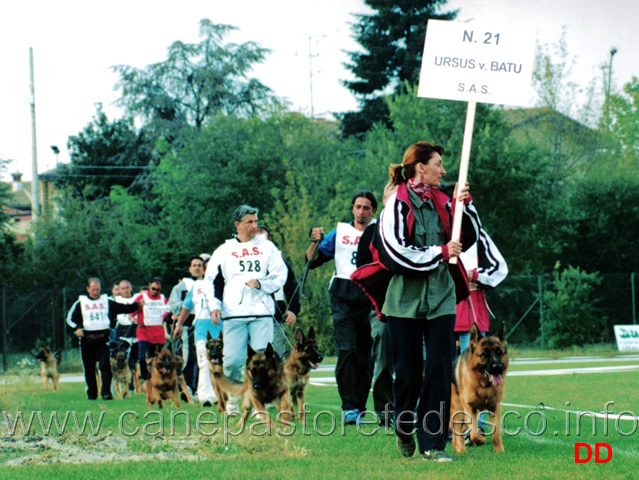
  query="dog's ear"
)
[
  {"x": 208, "y": 336},
  {"x": 311, "y": 332},
  {"x": 299, "y": 336},
  {"x": 269, "y": 352},
  {"x": 249, "y": 351},
  {"x": 221, "y": 335},
  {"x": 500, "y": 334},
  {"x": 475, "y": 334}
]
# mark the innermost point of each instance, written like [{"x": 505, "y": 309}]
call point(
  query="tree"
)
[
  {"x": 624, "y": 129},
  {"x": 104, "y": 154},
  {"x": 605, "y": 208},
  {"x": 209, "y": 173},
  {"x": 10, "y": 250},
  {"x": 196, "y": 82},
  {"x": 575, "y": 315},
  {"x": 565, "y": 123},
  {"x": 393, "y": 42}
]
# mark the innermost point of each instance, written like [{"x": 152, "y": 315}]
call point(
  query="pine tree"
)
[{"x": 393, "y": 40}]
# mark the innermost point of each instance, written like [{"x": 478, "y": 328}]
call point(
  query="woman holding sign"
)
[{"x": 414, "y": 243}]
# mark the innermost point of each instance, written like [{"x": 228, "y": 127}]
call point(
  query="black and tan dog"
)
[
  {"x": 122, "y": 375},
  {"x": 163, "y": 384},
  {"x": 478, "y": 385},
  {"x": 264, "y": 383},
  {"x": 48, "y": 368},
  {"x": 215, "y": 355},
  {"x": 299, "y": 362}
]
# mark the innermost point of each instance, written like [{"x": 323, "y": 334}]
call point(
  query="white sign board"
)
[
  {"x": 477, "y": 63},
  {"x": 627, "y": 337}
]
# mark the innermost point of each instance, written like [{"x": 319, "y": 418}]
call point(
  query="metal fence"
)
[
  {"x": 520, "y": 302},
  {"x": 35, "y": 317}
]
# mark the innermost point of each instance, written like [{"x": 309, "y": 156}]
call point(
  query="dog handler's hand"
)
[
  {"x": 454, "y": 248},
  {"x": 464, "y": 193},
  {"x": 290, "y": 318},
  {"x": 177, "y": 331},
  {"x": 317, "y": 234},
  {"x": 79, "y": 333},
  {"x": 215, "y": 319}
]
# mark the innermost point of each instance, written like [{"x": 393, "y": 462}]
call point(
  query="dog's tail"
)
[{"x": 228, "y": 385}]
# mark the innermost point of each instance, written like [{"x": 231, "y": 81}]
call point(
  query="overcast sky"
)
[{"x": 75, "y": 44}]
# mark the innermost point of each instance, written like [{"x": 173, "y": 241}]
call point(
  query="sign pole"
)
[{"x": 463, "y": 172}]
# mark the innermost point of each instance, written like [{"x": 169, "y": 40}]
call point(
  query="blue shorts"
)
[{"x": 204, "y": 325}]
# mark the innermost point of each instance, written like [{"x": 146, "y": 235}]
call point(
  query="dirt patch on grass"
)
[
  {"x": 27, "y": 450},
  {"x": 36, "y": 450}
]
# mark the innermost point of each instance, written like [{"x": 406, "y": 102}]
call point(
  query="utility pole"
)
[
  {"x": 608, "y": 87},
  {"x": 310, "y": 69},
  {"x": 613, "y": 50},
  {"x": 310, "y": 66},
  {"x": 35, "y": 193}
]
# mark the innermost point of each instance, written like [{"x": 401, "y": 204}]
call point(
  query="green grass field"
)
[{"x": 134, "y": 442}]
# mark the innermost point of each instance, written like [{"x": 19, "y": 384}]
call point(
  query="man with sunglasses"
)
[{"x": 151, "y": 332}]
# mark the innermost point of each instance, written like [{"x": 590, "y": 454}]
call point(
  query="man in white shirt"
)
[{"x": 246, "y": 271}]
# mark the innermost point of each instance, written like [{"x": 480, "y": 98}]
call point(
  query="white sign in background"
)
[
  {"x": 627, "y": 337},
  {"x": 478, "y": 63}
]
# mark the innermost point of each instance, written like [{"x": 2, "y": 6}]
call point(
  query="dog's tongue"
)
[
  {"x": 496, "y": 379},
  {"x": 313, "y": 366},
  {"x": 164, "y": 371}
]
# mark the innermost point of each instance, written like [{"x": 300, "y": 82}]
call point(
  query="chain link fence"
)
[{"x": 534, "y": 312}]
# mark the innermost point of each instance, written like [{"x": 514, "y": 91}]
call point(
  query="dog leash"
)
[
  {"x": 302, "y": 281},
  {"x": 471, "y": 309},
  {"x": 280, "y": 325},
  {"x": 299, "y": 287}
]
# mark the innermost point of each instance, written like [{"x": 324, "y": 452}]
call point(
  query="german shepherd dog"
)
[
  {"x": 215, "y": 355},
  {"x": 299, "y": 362},
  {"x": 122, "y": 375},
  {"x": 163, "y": 384},
  {"x": 478, "y": 385},
  {"x": 264, "y": 383},
  {"x": 48, "y": 368}
]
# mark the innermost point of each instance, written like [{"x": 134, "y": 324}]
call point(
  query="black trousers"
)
[
  {"x": 422, "y": 389},
  {"x": 353, "y": 342},
  {"x": 92, "y": 354},
  {"x": 191, "y": 369}
]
